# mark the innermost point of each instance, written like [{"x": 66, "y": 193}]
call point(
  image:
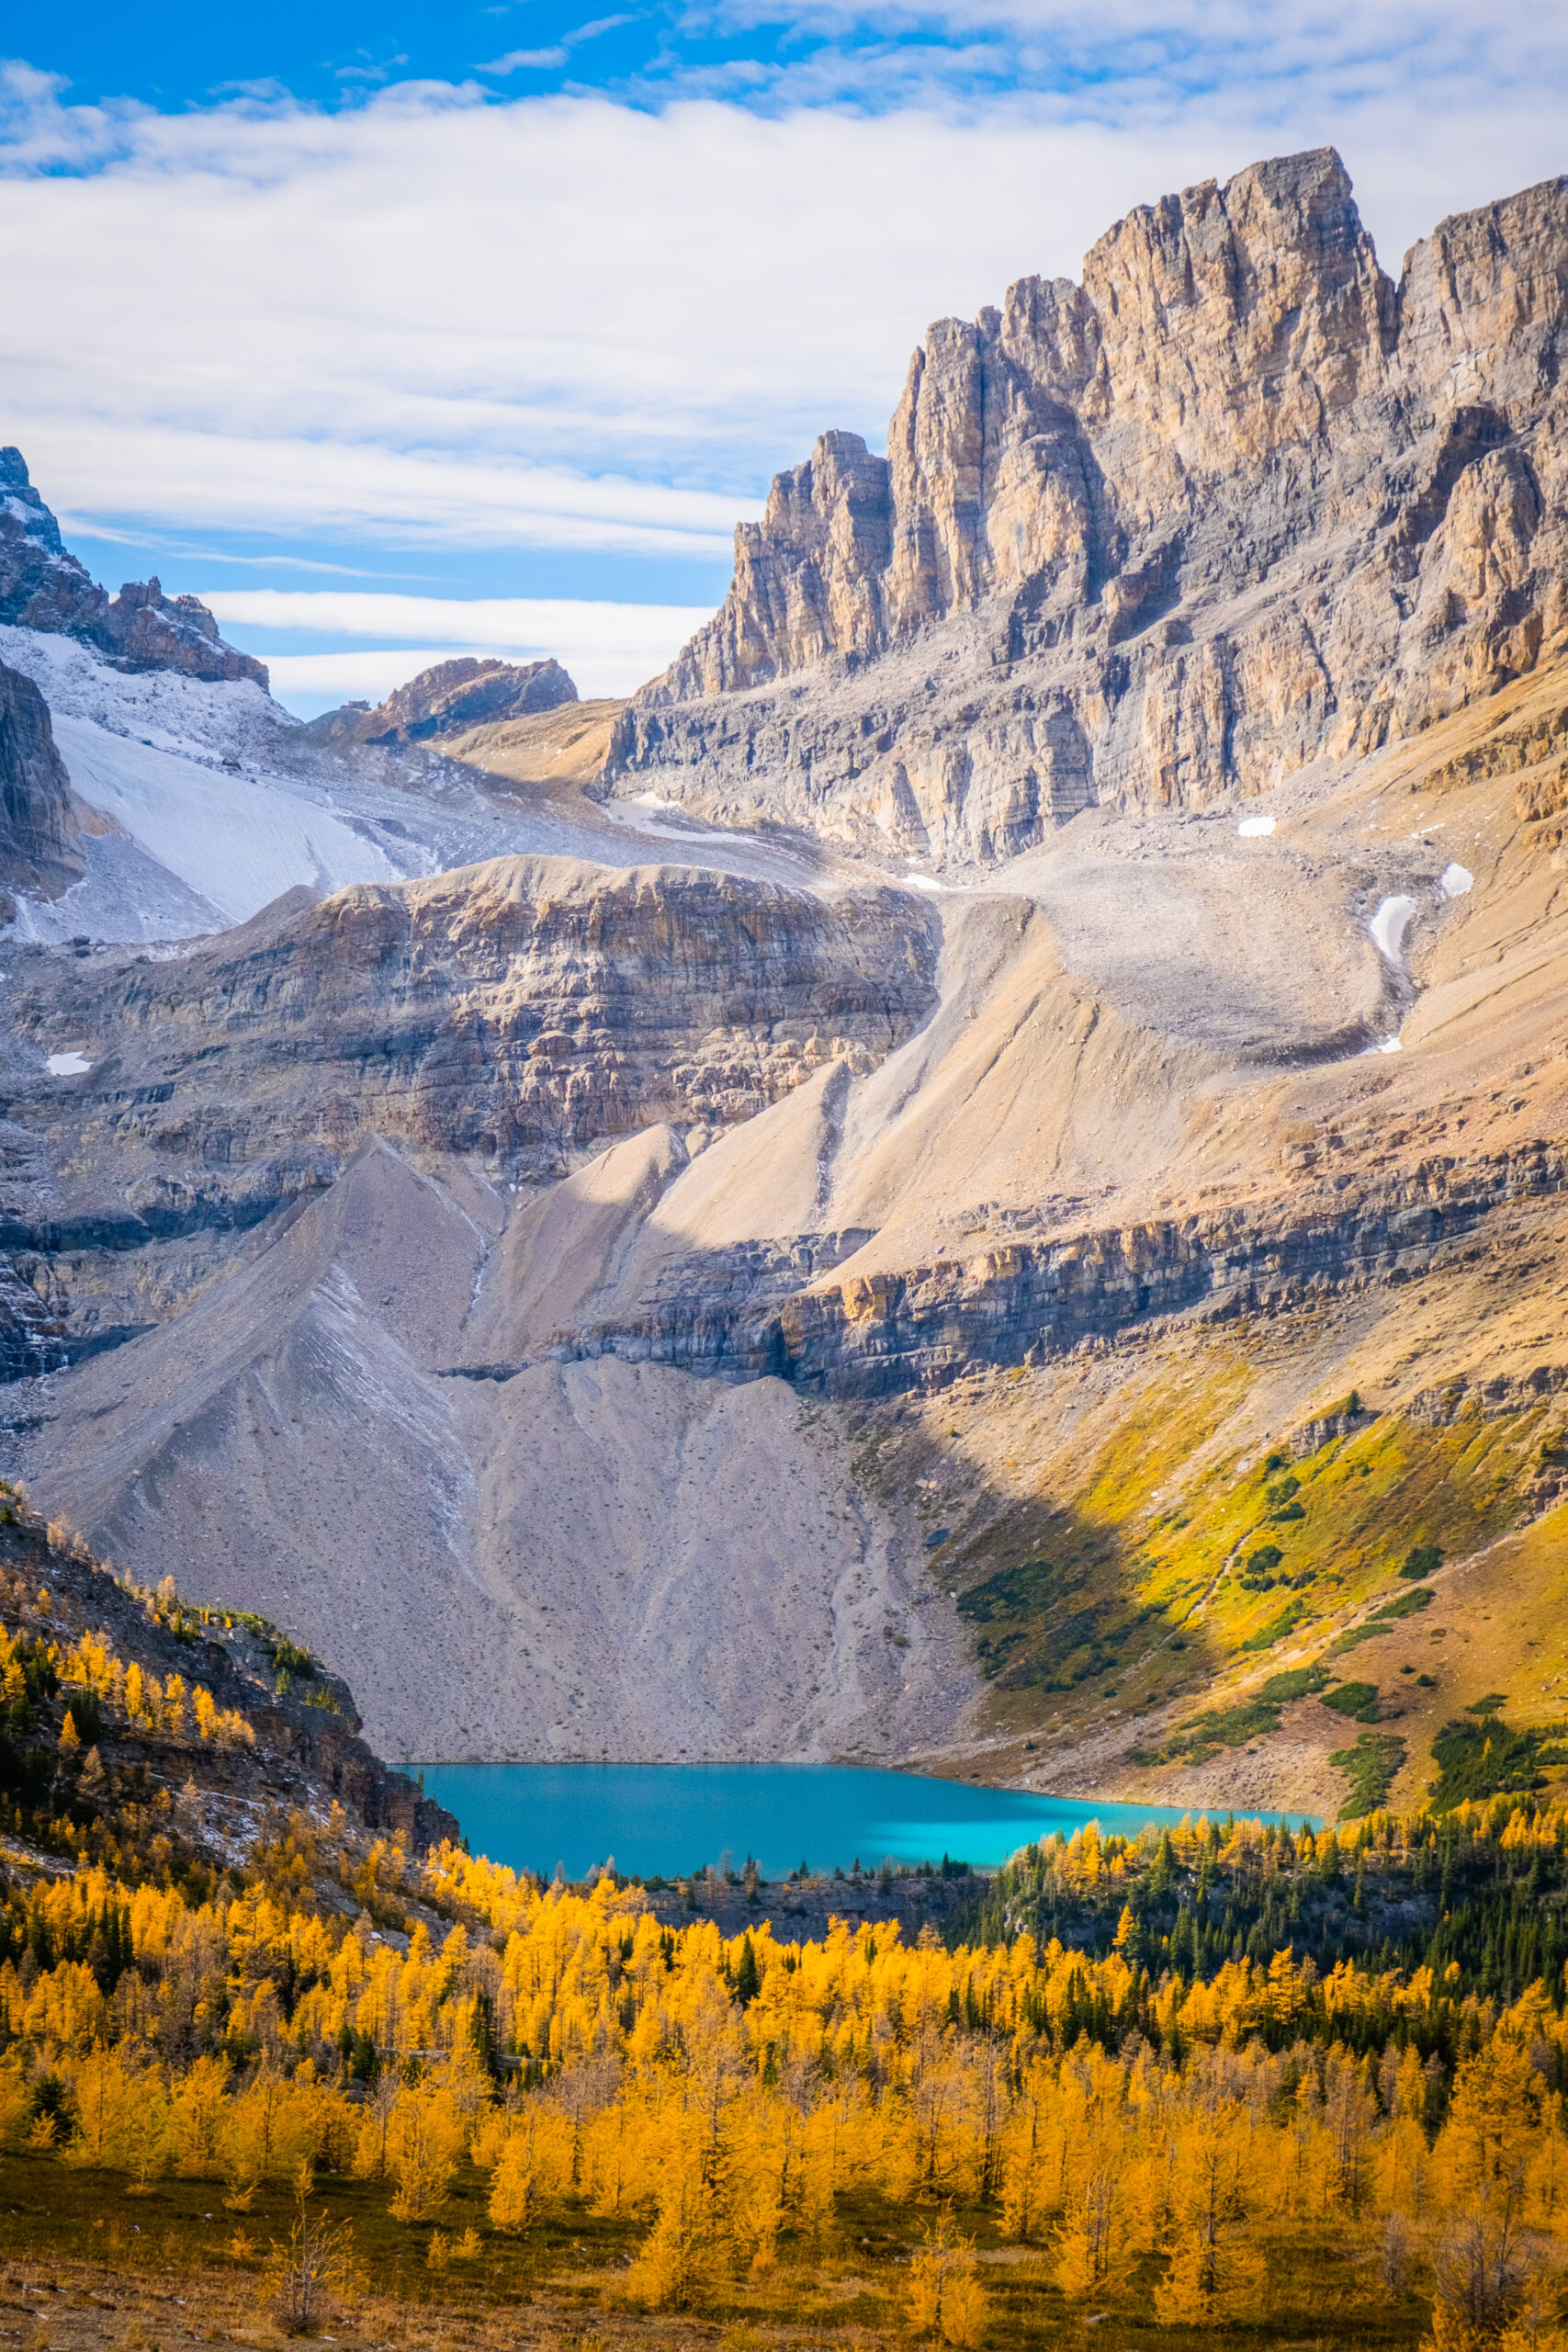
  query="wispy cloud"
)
[
  {"x": 1108, "y": 56},
  {"x": 517, "y": 60},
  {"x": 91, "y": 466},
  {"x": 559, "y": 52},
  {"x": 598, "y": 323},
  {"x": 609, "y": 648},
  {"x": 375, "y": 71},
  {"x": 515, "y": 622}
]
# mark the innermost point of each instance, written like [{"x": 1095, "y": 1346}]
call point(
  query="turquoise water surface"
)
[{"x": 665, "y": 1820}]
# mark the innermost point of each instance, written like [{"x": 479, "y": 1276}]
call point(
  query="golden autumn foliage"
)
[
  {"x": 1142, "y": 2140},
  {"x": 947, "y": 2304}
]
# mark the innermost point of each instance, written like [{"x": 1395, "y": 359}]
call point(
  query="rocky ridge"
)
[
  {"x": 292, "y": 1731},
  {"x": 1236, "y": 505},
  {"x": 42, "y": 586},
  {"x": 886, "y": 1334},
  {"x": 527, "y": 1013},
  {"x": 448, "y": 700}
]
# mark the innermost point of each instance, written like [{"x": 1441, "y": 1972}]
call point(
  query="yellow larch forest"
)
[{"x": 1151, "y": 2142}]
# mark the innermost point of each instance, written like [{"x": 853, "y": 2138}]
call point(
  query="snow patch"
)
[
  {"x": 1389, "y": 925},
  {"x": 1251, "y": 828},
  {"x": 204, "y": 719},
  {"x": 237, "y": 841},
  {"x": 1455, "y": 880},
  {"x": 71, "y": 1065},
  {"x": 219, "y": 803}
]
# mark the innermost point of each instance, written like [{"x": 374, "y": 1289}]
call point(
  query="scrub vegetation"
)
[
  {"x": 1160, "y": 1563},
  {"x": 1253, "y": 1550}
]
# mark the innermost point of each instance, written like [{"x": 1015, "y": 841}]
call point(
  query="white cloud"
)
[
  {"x": 547, "y": 621},
  {"x": 91, "y": 467},
  {"x": 570, "y": 322},
  {"x": 610, "y": 649},
  {"x": 537, "y": 60}
]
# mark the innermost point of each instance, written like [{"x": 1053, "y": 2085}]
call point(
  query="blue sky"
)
[{"x": 396, "y": 329}]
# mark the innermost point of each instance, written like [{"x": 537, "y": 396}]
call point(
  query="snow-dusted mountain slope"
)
[
  {"x": 214, "y": 803},
  {"x": 236, "y": 841}
]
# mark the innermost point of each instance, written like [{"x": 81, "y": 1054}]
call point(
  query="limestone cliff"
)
[
  {"x": 528, "y": 1011},
  {"x": 1235, "y": 505},
  {"x": 42, "y": 586}
]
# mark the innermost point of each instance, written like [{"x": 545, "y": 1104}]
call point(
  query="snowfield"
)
[
  {"x": 212, "y": 722},
  {"x": 236, "y": 841},
  {"x": 211, "y": 803}
]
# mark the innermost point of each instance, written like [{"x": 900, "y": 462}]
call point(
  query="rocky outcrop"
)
[
  {"x": 884, "y": 1333},
  {"x": 528, "y": 1011},
  {"x": 448, "y": 700},
  {"x": 42, "y": 586},
  {"x": 39, "y": 845},
  {"x": 1235, "y": 505},
  {"x": 304, "y": 1742}
]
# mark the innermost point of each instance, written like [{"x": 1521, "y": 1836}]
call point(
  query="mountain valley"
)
[{"x": 970, "y": 1177}]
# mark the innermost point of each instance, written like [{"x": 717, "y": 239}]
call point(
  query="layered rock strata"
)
[
  {"x": 1235, "y": 505},
  {"x": 757, "y": 1315},
  {"x": 523, "y": 1012},
  {"x": 42, "y": 586}
]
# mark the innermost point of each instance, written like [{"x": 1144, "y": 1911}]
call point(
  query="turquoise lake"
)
[{"x": 666, "y": 1820}]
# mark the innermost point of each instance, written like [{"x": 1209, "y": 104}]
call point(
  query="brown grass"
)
[{"x": 84, "y": 2269}]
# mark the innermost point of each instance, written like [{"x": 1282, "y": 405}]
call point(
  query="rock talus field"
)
[{"x": 975, "y": 1176}]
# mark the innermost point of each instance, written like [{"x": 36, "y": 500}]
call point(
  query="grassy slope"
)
[{"x": 1100, "y": 1522}]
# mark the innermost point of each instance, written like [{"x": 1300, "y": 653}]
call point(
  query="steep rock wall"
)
[
  {"x": 1235, "y": 505},
  {"x": 39, "y": 844},
  {"x": 527, "y": 1010},
  {"x": 884, "y": 1333}
]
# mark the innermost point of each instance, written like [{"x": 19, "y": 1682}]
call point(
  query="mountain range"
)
[{"x": 973, "y": 1176}]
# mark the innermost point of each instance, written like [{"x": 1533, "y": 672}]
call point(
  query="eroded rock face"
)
[
  {"x": 527, "y": 1012},
  {"x": 1234, "y": 504},
  {"x": 42, "y": 586},
  {"x": 457, "y": 1270},
  {"x": 448, "y": 700},
  {"x": 39, "y": 844}
]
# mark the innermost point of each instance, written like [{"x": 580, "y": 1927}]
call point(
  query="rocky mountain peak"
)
[
  {"x": 448, "y": 699},
  {"x": 468, "y": 692},
  {"x": 1233, "y": 504},
  {"x": 24, "y": 507},
  {"x": 43, "y": 586}
]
